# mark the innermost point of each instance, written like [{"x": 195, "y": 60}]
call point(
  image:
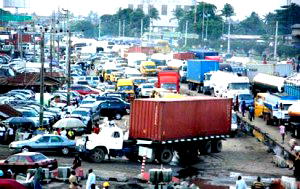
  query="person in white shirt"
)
[
  {"x": 91, "y": 180},
  {"x": 240, "y": 183},
  {"x": 63, "y": 132},
  {"x": 2, "y": 133}
]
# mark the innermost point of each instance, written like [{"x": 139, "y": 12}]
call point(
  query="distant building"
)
[
  {"x": 165, "y": 9},
  {"x": 296, "y": 35}
]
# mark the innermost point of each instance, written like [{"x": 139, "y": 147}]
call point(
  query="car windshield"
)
[
  {"x": 29, "y": 114},
  {"x": 125, "y": 88},
  {"x": 246, "y": 97},
  {"x": 80, "y": 112},
  {"x": 169, "y": 86},
  {"x": 239, "y": 86},
  {"x": 38, "y": 157},
  {"x": 150, "y": 67},
  {"x": 139, "y": 81},
  {"x": 148, "y": 87}
]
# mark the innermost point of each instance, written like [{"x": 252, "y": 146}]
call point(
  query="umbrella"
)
[
  {"x": 69, "y": 123},
  {"x": 19, "y": 122}
]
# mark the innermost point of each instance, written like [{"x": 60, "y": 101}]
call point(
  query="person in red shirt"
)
[{"x": 96, "y": 129}]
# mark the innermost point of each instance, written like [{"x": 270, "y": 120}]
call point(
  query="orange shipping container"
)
[{"x": 171, "y": 119}]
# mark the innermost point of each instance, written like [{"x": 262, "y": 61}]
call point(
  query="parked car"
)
[
  {"x": 47, "y": 142},
  {"x": 114, "y": 108},
  {"x": 122, "y": 95},
  {"x": 83, "y": 90},
  {"x": 21, "y": 162}
]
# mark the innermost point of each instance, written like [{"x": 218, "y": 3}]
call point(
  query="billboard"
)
[{"x": 15, "y": 3}]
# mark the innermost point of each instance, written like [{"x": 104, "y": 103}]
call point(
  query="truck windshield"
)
[
  {"x": 169, "y": 86},
  {"x": 238, "y": 86},
  {"x": 150, "y": 67},
  {"x": 125, "y": 88},
  {"x": 246, "y": 97}
]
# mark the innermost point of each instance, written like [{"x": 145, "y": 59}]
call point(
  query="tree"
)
[
  {"x": 153, "y": 14},
  {"x": 178, "y": 13},
  {"x": 227, "y": 10},
  {"x": 252, "y": 25},
  {"x": 89, "y": 30}
]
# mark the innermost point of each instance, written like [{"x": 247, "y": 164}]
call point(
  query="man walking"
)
[
  {"x": 240, "y": 183},
  {"x": 91, "y": 181},
  {"x": 258, "y": 184},
  {"x": 282, "y": 132}
]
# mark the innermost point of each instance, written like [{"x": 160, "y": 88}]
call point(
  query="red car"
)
[
  {"x": 10, "y": 184},
  {"x": 83, "y": 90},
  {"x": 19, "y": 163}
]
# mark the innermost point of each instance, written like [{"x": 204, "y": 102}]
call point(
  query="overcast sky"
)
[{"x": 242, "y": 8}]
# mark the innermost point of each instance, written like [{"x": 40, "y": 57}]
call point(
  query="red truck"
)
[
  {"x": 169, "y": 80},
  {"x": 163, "y": 126}
]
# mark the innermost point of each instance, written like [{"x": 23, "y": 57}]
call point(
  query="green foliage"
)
[
  {"x": 153, "y": 13},
  {"x": 252, "y": 25},
  {"x": 227, "y": 10},
  {"x": 89, "y": 30}
]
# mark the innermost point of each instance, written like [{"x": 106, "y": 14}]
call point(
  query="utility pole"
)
[
  {"x": 119, "y": 28},
  {"x": 99, "y": 28},
  {"x": 228, "y": 42},
  {"x": 186, "y": 33},
  {"x": 34, "y": 50},
  {"x": 123, "y": 28},
  {"x": 206, "y": 27},
  {"x": 42, "y": 60},
  {"x": 202, "y": 32},
  {"x": 275, "y": 45},
  {"x": 68, "y": 59},
  {"x": 142, "y": 27},
  {"x": 51, "y": 44}
]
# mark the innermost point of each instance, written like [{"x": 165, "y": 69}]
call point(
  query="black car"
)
[{"x": 114, "y": 108}]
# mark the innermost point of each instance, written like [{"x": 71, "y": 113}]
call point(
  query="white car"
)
[{"x": 146, "y": 89}]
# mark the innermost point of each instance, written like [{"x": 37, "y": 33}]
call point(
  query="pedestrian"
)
[
  {"x": 63, "y": 132},
  {"x": 297, "y": 166},
  {"x": 282, "y": 132},
  {"x": 243, "y": 108},
  {"x": 76, "y": 162},
  {"x": 2, "y": 133},
  {"x": 251, "y": 113},
  {"x": 73, "y": 181},
  {"x": 236, "y": 104},
  {"x": 240, "y": 183},
  {"x": 96, "y": 129},
  {"x": 258, "y": 184},
  {"x": 106, "y": 185},
  {"x": 11, "y": 134},
  {"x": 38, "y": 177},
  {"x": 91, "y": 180}
]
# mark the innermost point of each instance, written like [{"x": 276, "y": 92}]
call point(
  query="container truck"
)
[
  {"x": 163, "y": 126},
  {"x": 201, "y": 54},
  {"x": 280, "y": 69},
  {"x": 183, "y": 56},
  {"x": 196, "y": 70},
  {"x": 292, "y": 85},
  {"x": 169, "y": 80}
]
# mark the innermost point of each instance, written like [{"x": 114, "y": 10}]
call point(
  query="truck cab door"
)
[{"x": 116, "y": 140}]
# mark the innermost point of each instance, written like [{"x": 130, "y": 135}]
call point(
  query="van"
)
[
  {"x": 126, "y": 85},
  {"x": 148, "y": 68}
]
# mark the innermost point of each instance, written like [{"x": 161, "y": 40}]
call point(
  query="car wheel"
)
[
  {"x": 25, "y": 149},
  {"x": 98, "y": 155},
  {"x": 65, "y": 151},
  {"x": 118, "y": 116}
]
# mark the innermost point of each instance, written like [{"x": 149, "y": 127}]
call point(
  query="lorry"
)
[
  {"x": 267, "y": 83},
  {"x": 292, "y": 85},
  {"x": 169, "y": 80},
  {"x": 126, "y": 85},
  {"x": 164, "y": 126},
  {"x": 226, "y": 84},
  {"x": 148, "y": 68},
  {"x": 196, "y": 70},
  {"x": 278, "y": 105}
]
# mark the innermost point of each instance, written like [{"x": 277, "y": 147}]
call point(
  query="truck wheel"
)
[
  {"x": 206, "y": 148},
  {"x": 118, "y": 116},
  {"x": 165, "y": 156},
  {"x": 98, "y": 155},
  {"x": 217, "y": 146}
]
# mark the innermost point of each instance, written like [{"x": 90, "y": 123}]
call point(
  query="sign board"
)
[
  {"x": 14, "y": 3},
  {"x": 144, "y": 151}
]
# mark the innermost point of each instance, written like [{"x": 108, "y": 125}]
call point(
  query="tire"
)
[
  {"x": 207, "y": 148},
  {"x": 118, "y": 116},
  {"x": 217, "y": 146},
  {"x": 65, "y": 151},
  {"x": 98, "y": 155},
  {"x": 25, "y": 149},
  {"x": 165, "y": 156}
]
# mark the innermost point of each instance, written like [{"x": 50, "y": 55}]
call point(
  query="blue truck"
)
[{"x": 195, "y": 72}]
